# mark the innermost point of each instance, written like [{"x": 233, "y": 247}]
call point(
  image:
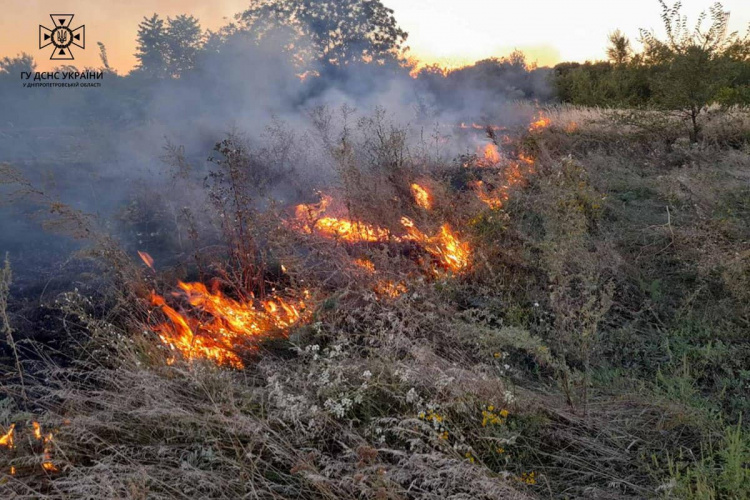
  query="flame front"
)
[
  {"x": 309, "y": 217},
  {"x": 444, "y": 246},
  {"x": 492, "y": 200},
  {"x": 541, "y": 123},
  {"x": 422, "y": 197},
  {"x": 490, "y": 156},
  {"x": 233, "y": 324}
]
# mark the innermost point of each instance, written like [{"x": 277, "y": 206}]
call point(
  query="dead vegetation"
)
[{"x": 594, "y": 345}]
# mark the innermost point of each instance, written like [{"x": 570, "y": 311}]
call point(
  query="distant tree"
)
[
  {"x": 151, "y": 49},
  {"x": 341, "y": 31},
  {"x": 619, "y": 49},
  {"x": 691, "y": 66},
  {"x": 15, "y": 65},
  {"x": 183, "y": 40},
  {"x": 103, "y": 57}
]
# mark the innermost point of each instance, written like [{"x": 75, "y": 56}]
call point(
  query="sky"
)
[{"x": 449, "y": 32}]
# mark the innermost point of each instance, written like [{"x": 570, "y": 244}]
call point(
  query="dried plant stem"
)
[{"x": 5, "y": 280}]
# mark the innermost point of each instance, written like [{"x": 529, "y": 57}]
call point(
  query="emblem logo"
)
[{"x": 61, "y": 37}]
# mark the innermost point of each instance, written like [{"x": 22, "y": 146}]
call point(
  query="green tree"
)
[
  {"x": 151, "y": 50},
  {"x": 340, "y": 31},
  {"x": 690, "y": 66},
  {"x": 619, "y": 50},
  {"x": 13, "y": 66},
  {"x": 183, "y": 40}
]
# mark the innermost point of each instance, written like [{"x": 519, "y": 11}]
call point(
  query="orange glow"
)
[
  {"x": 492, "y": 200},
  {"x": 234, "y": 324},
  {"x": 525, "y": 159},
  {"x": 477, "y": 126},
  {"x": 7, "y": 438},
  {"x": 365, "y": 264},
  {"x": 388, "y": 288},
  {"x": 445, "y": 245},
  {"x": 47, "y": 464},
  {"x": 12, "y": 470},
  {"x": 146, "y": 258},
  {"x": 309, "y": 216},
  {"x": 47, "y": 442},
  {"x": 489, "y": 156},
  {"x": 540, "y": 124},
  {"x": 422, "y": 197},
  {"x": 307, "y": 74},
  {"x": 571, "y": 127},
  {"x": 351, "y": 231},
  {"x": 37, "y": 430}
]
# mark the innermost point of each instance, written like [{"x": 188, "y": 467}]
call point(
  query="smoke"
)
[{"x": 102, "y": 150}]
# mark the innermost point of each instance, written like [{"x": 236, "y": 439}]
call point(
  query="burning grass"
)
[{"x": 492, "y": 328}]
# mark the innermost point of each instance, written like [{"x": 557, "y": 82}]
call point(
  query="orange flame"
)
[
  {"x": 390, "y": 289},
  {"x": 541, "y": 123},
  {"x": 47, "y": 451},
  {"x": 492, "y": 200},
  {"x": 445, "y": 245},
  {"x": 7, "y": 438},
  {"x": 309, "y": 216},
  {"x": 365, "y": 264},
  {"x": 37, "y": 430},
  {"x": 422, "y": 197},
  {"x": 489, "y": 156},
  {"x": 234, "y": 324},
  {"x": 146, "y": 258},
  {"x": 525, "y": 159}
]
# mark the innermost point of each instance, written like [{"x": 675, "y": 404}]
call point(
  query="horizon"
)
[{"x": 439, "y": 32}]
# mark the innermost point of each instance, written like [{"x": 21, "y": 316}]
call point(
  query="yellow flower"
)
[
  {"x": 503, "y": 413},
  {"x": 501, "y": 450},
  {"x": 491, "y": 408}
]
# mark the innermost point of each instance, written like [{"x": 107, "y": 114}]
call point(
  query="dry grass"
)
[{"x": 561, "y": 352}]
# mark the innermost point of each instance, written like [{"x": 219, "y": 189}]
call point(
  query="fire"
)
[
  {"x": 146, "y": 258},
  {"x": 351, "y": 231},
  {"x": 525, "y": 159},
  {"x": 388, "y": 288},
  {"x": 307, "y": 74},
  {"x": 422, "y": 197},
  {"x": 571, "y": 127},
  {"x": 47, "y": 442},
  {"x": 365, "y": 264},
  {"x": 233, "y": 323},
  {"x": 477, "y": 126},
  {"x": 541, "y": 123},
  {"x": 37, "y": 430},
  {"x": 489, "y": 156},
  {"x": 445, "y": 245},
  {"x": 492, "y": 200},
  {"x": 310, "y": 217},
  {"x": 7, "y": 438}
]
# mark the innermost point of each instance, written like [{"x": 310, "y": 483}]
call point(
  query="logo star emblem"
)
[{"x": 61, "y": 37}]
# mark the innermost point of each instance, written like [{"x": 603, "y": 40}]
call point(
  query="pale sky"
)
[{"x": 444, "y": 31}]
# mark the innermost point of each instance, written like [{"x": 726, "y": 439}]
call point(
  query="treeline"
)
[{"x": 687, "y": 71}]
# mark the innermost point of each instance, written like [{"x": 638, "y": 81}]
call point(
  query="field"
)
[{"x": 560, "y": 311}]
